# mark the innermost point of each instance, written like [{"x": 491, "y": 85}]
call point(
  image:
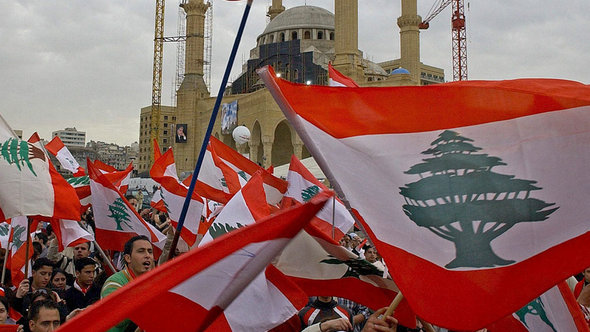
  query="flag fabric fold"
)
[
  {"x": 18, "y": 249},
  {"x": 336, "y": 78},
  {"x": 191, "y": 291},
  {"x": 69, "y": 233},
  {"x": 57, "y": 148},
  {"x": 463, "y": 183}
]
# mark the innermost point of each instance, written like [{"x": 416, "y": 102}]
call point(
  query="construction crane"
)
[
  {"x": 157, "y": 76},
  {"x": 459, "y": 34}
]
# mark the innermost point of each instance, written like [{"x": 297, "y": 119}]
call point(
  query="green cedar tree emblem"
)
[
  {"x": 535, "y": 308},
  {"x": 119, "y": 213},
  {"x": 460, "y": 199},
  {"x": 223, "y": 182},
  {"x": 19, "y": 152},
  {"x": 309, "y": 192},
  {"x": 79, "y": 181},
  {"x": 356, "y": 267},
  {"x": 4, "y": 229},
  {"x": 217, "y": 229},
  {"x": 18, "y": 231},
  {"x": 243, "y": 175}
]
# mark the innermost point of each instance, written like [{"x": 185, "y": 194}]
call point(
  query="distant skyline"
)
[{"x": 88, "y": 64}]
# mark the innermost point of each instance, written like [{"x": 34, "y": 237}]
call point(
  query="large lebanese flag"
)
[
  {"x": 336, "y": 78},
  {"x": 245, "y": 168},
  {"x": 64, "y": 156},
  {"x": 277, "y": 299},
  {"x": 115, "y": 219},
  {"x": 173, "y": 194},
  {"x": 29, "y": 184},
  {"x": 463, "y": 183},
  {"x": 119, "y": 178},
  {"x": 320, "y": 266},
  {"x": 334, "y": 219},
  {"x": 192, "y": 290},
  {"x": 554, "y": 310}
]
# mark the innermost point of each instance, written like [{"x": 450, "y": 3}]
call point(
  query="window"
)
[
  {"x": 294, "y": 35},
  {"x": 271, "y": 38},
  {"x": 282, "y": 37},
  {"x": 307, "y": 35},
  {"x": 165, "y": 125},
  {"x": 331, "y": 36},
  {"x": 165, "y": 117},
  {"x": 165, "y": 140},
  {"x": 165, "y": 132},
  {"x": 320, "y": 35},
  {"x": 173, "y": 118}
]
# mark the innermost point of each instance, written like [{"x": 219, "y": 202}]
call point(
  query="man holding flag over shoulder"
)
[{"x": 471, "y": 183}]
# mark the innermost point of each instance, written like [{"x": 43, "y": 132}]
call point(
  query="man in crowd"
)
[
  {"x": 42, "y": 270},
  {"x": 62, "y": 260},
  {"x": 582, "y": 283},
  {"x": 44, "y": 316},
  {"x": 139, "y": 259},
  {"x": 323, "y": 310},
  {"x": 83, "y": 292}
]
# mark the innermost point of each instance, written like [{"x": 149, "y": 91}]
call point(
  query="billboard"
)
[{"x": 229, "y": 117}]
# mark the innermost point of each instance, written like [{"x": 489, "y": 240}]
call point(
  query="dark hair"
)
[
  {"x": 87, "y": 243},
  {"x": 81, "y": 263},
  {"x": 128, "y": 197},
  {"x": 129, "y": 244},
  {"x": 4, "y": 301},
  {"x": 42, "y": 236},
  {"x": 56, "y": 271},
  {"x": 45, "y": 292},
  {"x": 36, "y": 307},
  {"x": 43, "y": 261}
]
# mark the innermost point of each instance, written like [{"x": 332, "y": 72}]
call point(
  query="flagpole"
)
[
  {"x": 396, "y": 301},
  {"x": 191, "y": 188},
  {"x": 5, "y": 260},
  {"x": 27, "y": 248},
  {"x": 105, "y": 257},
  {"x": 333, "y": 217}
]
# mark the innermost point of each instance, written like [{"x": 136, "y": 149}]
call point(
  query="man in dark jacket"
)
[{"x": 83, "y": 292}]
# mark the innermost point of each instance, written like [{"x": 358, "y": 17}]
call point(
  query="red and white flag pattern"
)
[
  {"x": 194, "y": 289},
  {"x": 157, "y": 202},
  {"x": 119, "y": 178},
  {"x": 461, "y": 182},
  {"x": 115, "y": 219},
  {"x": 18, "y": 249},
  {"x": 173, "y": 194},
  {"x": 57, "y": 148},
  {"x": 335, "y": 78},
  {"x": 69, "y": 233},
  {"x": 29, "y": 184},
  {"x": 244, "y": 169},
  {"x": 554, "y": 310},
  {"x": 334, "y": 219}
]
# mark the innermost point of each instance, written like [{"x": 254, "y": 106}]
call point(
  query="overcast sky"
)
[{"x": 88, "y": 63}]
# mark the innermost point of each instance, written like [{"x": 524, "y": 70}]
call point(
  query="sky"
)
[{"x": 88, "y": 63}]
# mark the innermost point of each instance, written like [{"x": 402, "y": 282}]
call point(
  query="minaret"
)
[
  {"x": 347, "y": 56},
  {"x": 410, "y": 38},
  {"x": 275, "y": 9}
]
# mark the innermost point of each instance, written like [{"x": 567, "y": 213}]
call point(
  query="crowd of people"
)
[{"x": 63, "y": 283}]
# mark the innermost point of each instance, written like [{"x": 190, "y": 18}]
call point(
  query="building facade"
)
[{"x": 71, "y": 137}]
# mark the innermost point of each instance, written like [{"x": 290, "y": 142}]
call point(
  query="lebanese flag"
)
[
  {"x": 192, "y": 290},
  {"x": 82, "y": 186},
  {"x": 115, "y": 219},
  {"x": 465, "y": 183},
  {"x": 336, "y": 78},
  {"x": 244, "y": 169},
  {"x": 554, "y": 310},
  {"x": 69, "y": 233},
  {"x": 157, "y": 153},
  {"x": 64, "y": 156},
  {"x": 119, "y": 178},
  {"x": 29, "y": 184},
  {"x": 320, "y": 266},
  {"x": 157, "y": 202},
  {"x": 18, "y": 249},
  {"x": 4, "y": 234},
  {"x": 334, "y": 218},
  {"x": 173, "y": 194},
  {"x": 278, "y": 299}
]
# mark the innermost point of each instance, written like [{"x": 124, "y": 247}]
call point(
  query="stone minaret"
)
[
  {"x": 347, "y": 56},
  {"x": 410, "y": 38},
  {"x": 275, "y": 9},
  {"x": 193, "y": 88}
]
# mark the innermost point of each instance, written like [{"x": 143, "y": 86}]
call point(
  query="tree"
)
[
  {"x": 119, "y": 213},
  {"x": 460, "y": 199}
]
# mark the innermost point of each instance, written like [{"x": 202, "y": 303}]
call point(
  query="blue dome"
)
[{"x": 399, "y": 70}]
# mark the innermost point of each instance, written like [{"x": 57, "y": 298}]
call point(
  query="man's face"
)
[
  {"x": 587, "y": 274},
  {"x": 47, "y": 320},
  {"x": 371, "y": 255},
  {"x": 134, "y": 203},
  {"x": 141, "y": 259},
  {"x": 42, "y": 276},
  {"x": 85, "y": 277},
  {"x": 81, "y": 251}
]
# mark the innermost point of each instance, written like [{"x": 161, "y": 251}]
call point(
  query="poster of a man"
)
[{"x": 181, "y": 133}]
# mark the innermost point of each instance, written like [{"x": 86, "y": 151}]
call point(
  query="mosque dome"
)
[
  {"x": 301, "y": 17},
  {"x": 399, "y": 70}
]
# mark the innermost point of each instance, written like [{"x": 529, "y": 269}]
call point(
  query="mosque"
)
[{"x": 299, "y": 43}]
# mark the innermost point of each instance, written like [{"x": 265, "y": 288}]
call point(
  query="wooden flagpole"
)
[
  {"x": 105, "y": 257},
  {"x": 396, "y": 301},
  {"x": 214, "y": 112},
  {"x": 27, "y": 248}
]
